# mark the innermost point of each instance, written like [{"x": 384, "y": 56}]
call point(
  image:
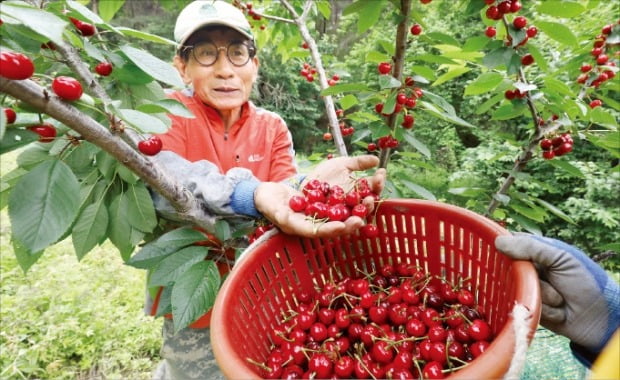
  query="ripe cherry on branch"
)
[
  {"x": 46, "y": 132},
  {"x": 104, "y": 68},
  {"x": 10, "y": 114},
  {"x": 15, "y": 66},
  {"x": 150, "y": 146},
  {"x": 67, "y": 88}
]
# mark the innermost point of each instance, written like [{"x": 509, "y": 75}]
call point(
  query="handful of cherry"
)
[{"x": 396, "y": 323}]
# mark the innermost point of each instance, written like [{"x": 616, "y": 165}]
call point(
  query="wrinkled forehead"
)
[{"x": 219, "y": 35}]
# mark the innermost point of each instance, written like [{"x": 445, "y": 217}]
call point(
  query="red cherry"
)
[
  {"x": 504, "y": 7},
  {"x": 360, "y": 210},
  {"x": 408, "y": 121},
  {"x": 10, "y": 115},
  {"x": 519, "y": 22},
  {"x": 150, "y": 146},
  {"x": 84, "y": 28},
  {"x": 67, "y": 88},
  {"x": 321, "y": 365},
  {"x": 546, "y": 144},
  {"x": 515, "y": 6},
  {"x": 104, "y": 68},
  {"x": 477, "y": 348},
  {"x": 602, "y": 59},
  {"x": 527, "y": 60},
  {"x": 382, "y": 352},
  {"x": 585, "y": 68},
  {"x": 371, "y": 147},
  {"x": 490, "y": 31},
  {"x": 327, "y": 136},
  {"x": 596, "y": 103},
  {"x": 607, "y": 29},
  {"x": 493, "y": 13},
  {"x": 370, "y": 231},
  {"x": 384, "y": 67},
  {"x": 46, "y": 132},
  {"x": 466, "y": 298},
  {"x": 433, "y": 370},
  {"x": 344, "y": 367},
  {"x": 297, "y": 203},
  {"x": 479, "y": 330},
  {"x": 15, "y": 66},
  {"x": 416, "y": 29},
  {"x": 531, "y": 32}
]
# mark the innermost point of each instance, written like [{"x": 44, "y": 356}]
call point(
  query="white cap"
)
[{"x": 201, "y": 13}]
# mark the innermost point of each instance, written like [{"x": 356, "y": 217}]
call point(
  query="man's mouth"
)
[{"x": 225, "y": 89}]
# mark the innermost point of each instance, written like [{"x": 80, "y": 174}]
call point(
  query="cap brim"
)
[{"x": 214, "y": 23}]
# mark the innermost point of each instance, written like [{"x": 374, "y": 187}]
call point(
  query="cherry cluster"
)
[
  {"x": 324, "y": 203},
  {"x": 397, "y": 323},
  {"x": 556, "y": 146},
  {"x": 603, "y": 67},
  {"x": 259, "y": 231}
]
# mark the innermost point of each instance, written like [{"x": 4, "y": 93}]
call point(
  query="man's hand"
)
[
  {"x": 271, "y": 199},
  {"x": 340, "y": 171},
  {"x": 580, "y": 301}
]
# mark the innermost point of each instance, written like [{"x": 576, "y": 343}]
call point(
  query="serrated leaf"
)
[
  {"x": 50, "y": 207},
  {"x": 90, "y": 228},
  {"x": 484, "y": 107},
  {"x": 165, "y": 302},
  {"x": 145, "y": 36},
  {"x": 171, "y": 106},
  {"x": 421, "y": 191},
  {"x": 377, "y": 57},
  {"x": 173, "y": 266},
  {"x": 222, "y": 230},
  {"x": 601, "y": 116},
  {"x": 388, "y": 81},
  {"x": 347, "y": 87},
  {"x": 108, "y": 8},
  {"x": 453, "y": 72},
  {"x": 567, "y": 167},
  {"x": 152, "y": 253},
  {"x": 484, "y": 83},
  {"x": 555, "y": 211},
  {"x": 142, "y": 121},
  {"x": 558, "y": 32},
  {"x": 348, "y": 101},
  {"x": 498, "y": 57},
  {"x": 528, "y": 212},
  {"x": 141, "y": 212},
  {"x": 562, "y": 8},
  {"x": 25, "y": 258},
  {"x": 39, "y": 21},
  {"x": 119, "y": 229},
  {"x": 194, "y": 293},
  {"x": 558, "y": 86},
  {"x": 419, "y": 145},
  {"x": 153, "y": 66}
]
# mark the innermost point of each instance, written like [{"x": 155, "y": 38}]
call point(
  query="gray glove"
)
[{"x": 579, "y": 299}]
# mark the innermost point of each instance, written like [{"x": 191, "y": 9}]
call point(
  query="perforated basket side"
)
[{"x": 441, "y": 239}]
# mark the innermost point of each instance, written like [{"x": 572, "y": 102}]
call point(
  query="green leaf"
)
[
  {"x": 346, "y": 87},
  {"x": 559, "y": 32},
  {"x": 131, "y": 74},
  {"x": 165, "y": 302},
  {"x": 567, "y": 167},
  {"x": 145, "y": 36},
  {"x": 432, "y": 58},
  {"x": 348, "y": 101},
  {"x": 16, "y": 138},
  {"x": 453, "y": 72},
  {"x": 194, "y": 293},
  {"x": 155, "y": 67},
  {"x": 484, "y": 83},
  {"x": 433, "y": 110},
  {"x": 484, "y": 107},
  {"x": 141, "y": 212},
  {"x": 476, "y": 43},
  {"x": 539, "y": 57},
  {"x": 142, "y": 121},
  {"x": 388, "y": 81},
  {"x": 558, "y": 86},
  {"x": 222, "y": 230},
  {"x": 25, "y": 258},
  {"x": 93, "y": 52},
  {"x": 555, "y": 211},
  {"x": 561, "y": 8},
  {"x": 421, "y": 191},
  {"x": 39, "y": 21},
  {"x": 90, "y": 228},
  {"x": 377, "y": 57},
  {"x": 43, "y": 205},
  {"x": 173, "y": 266},
  {"x": 531, "y": 213},
  {"x": 155, "y": 251},
  {"x": 85, "y": 12},
  {"x": 324, "y": 8},
  {"x": 527, "y": 224},
  {"x": 508, "y": 111},
  {"x": 441, "y": 37},
  {"x": 419, "y": 145},
  {"x": 498, "y": 57},
  {"x": 107, "y": 9},
  {"x": 119, "y": 229},
  {"x": 601, "y": 116},
  {"x": 369, "y": 14},
  {"x": 171, "y": 106}
]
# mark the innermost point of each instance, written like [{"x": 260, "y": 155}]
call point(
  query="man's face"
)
[{"x": 222, "y": 85}]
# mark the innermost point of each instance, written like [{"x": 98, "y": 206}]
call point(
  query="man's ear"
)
[
  {"x": 181, "y": 67},
  {"x": 256, "y": 65}
]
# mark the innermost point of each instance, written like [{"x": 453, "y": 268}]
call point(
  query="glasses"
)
[{"x": 207, "y": 53}]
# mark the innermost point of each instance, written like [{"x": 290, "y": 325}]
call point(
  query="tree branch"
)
[{"x": 36, "y": 96}]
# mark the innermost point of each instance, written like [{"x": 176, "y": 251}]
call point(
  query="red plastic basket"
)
[{"x": 442, "y": 239}]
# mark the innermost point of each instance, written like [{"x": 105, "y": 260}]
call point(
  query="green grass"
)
[{"x": 66, "y": 319}]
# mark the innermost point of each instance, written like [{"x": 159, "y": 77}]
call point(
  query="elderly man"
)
[{"x": 233, "y": 156}]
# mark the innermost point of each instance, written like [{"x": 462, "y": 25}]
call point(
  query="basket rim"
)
[{"x": 493, "y": 360}]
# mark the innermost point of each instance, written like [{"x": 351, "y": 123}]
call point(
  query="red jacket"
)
[{"x": 259, "y": 140}]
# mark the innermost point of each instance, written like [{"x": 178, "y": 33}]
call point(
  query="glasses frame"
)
[{"x": 250, "y": 46}]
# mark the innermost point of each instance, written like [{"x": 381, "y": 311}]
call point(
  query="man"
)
[{"x": 233, "y": 156}]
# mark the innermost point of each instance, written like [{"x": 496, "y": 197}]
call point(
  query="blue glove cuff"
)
[{"x": 242, "y": 199}]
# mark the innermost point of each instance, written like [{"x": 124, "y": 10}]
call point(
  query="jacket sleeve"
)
[{"x": 220, "y": 195}]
